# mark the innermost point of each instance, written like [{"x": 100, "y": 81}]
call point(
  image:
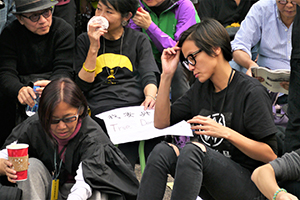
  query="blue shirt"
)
[{"x": 263, "y": 25}]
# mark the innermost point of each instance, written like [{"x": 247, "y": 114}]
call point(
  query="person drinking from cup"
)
[
  {"x": 69, "y": 150},
  {"x": 115, "y": 66}
]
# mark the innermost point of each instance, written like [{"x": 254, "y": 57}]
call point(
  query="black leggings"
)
[{"x": 208, "y": 174}]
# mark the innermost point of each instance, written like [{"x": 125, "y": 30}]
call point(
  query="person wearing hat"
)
[{"x": 35, "y": 46}]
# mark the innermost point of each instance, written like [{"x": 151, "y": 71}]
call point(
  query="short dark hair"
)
[
  {"x": 123, "y": 6},
  {"x": 207, "y": 35},
  {"x": 58, "y": 90}
]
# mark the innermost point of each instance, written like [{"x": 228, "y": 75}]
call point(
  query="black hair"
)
[
  {"x": 207, "y": 35},
  {"x": 123, "y": 6},
  {"x": 58, "y": 90}
]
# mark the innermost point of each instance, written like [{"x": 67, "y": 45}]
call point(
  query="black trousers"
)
[{"x": 292, "y": 132}]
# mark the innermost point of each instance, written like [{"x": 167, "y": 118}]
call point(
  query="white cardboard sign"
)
[{"x": 133, "y": 123}]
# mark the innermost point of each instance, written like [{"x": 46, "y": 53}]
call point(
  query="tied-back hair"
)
[
  {"x": 60, "y": 90},
  {"x": 207, "y": 35},
  {"x": 123, "y": 6}
]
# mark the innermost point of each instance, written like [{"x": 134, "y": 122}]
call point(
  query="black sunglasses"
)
[
  {"x": 284, "y": 2},
  {"x": 36, "y": 17},
  {"x": 190, "y": 59}
]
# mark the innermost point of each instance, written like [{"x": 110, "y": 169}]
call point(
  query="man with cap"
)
[{"x": 36, "y": 46}]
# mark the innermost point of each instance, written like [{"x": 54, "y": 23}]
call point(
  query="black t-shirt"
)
[
  {"x": 133, "y": 68},
  {"x": 224, "y": 11},
  {"x": 296, "y": 36},
  {"x": 247, "y": 110}
]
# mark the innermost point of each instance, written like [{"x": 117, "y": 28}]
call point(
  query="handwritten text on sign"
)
[{"x": 134, "y": 124}]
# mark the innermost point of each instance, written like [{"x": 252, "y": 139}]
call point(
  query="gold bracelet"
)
[
  {"x": 88, "y": 70},
  {"x": 149, "y": 95}
]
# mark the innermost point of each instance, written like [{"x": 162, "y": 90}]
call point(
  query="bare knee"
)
[
  {"x": 175, "y": 148},
  {"x": 201, "y": 146}
]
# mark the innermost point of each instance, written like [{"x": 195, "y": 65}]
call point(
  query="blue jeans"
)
[{"x": 209, "y": 175}]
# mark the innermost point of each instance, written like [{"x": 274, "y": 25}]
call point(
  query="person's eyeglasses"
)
[
  {"x": 36, "y": 17},
  {"x": 190, "y": 59},
  {"x": 284, "y": 2},
  {"x": 65, "y": 120}
]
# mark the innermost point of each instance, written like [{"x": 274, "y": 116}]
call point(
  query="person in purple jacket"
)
[{"x": 164, "y": 21}]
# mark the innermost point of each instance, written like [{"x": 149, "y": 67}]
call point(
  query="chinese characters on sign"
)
[{"x": 134, "y": 124}]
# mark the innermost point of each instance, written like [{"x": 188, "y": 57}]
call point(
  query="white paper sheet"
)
[{"x": 134, "y": 124}]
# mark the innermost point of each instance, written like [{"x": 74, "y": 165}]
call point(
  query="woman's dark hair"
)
[
  {"x": 58, "y": 90},
  {"x": 123, "y": 6},
  {"x": 207, "y": 35}
]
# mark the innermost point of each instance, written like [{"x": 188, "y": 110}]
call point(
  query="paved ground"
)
[{"x": 170, "y": 179}]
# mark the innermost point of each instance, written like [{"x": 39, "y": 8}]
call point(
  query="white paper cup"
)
[{"x": 100, "y": 20}]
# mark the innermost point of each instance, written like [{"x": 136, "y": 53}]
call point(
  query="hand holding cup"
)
[
  {"x": 18, "y": 156},
  {"x": 102, "y": 21}
]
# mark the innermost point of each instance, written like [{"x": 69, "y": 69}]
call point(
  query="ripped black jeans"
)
[{"x": 209, "y": 175}]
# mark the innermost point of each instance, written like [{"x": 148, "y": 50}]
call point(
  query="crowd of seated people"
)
[{"x": 141, "y": 59}]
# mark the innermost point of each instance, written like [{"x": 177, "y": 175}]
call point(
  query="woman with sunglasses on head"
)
[
  {"x": 63, "y": 137},
  {"x": 229, "y": 114},
  {"x": 36, "y": 46},
  {"x": 115, "y": 66}
]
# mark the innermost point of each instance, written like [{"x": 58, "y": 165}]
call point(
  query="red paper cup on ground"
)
[{"x": 18, "y": 156}]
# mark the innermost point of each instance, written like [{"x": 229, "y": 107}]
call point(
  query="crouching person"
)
[{"x": 65, "y": 144}]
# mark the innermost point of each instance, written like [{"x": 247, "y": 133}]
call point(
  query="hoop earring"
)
[{"x": 124, "y": 23}]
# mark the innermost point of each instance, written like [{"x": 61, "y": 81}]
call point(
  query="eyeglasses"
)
[
  {"x": 65, "y": 120},
  {"x": 190, "y": 59},
  {"x": 36, "y": 17},
  {"x": 284, "y": 2}
]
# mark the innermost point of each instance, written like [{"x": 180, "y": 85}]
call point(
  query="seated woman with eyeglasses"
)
[
  {"x": 35, "y": 46},
  {"x": 87, "y": 163},
  {"x": 230, "y": 115}
]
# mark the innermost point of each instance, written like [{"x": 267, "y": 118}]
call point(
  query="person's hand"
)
[
  {"x": 251, "y": 64},
  {"x": 170, "y": 59},
  {"x": 95, "y": 32},
  {"x": 6, "y": 167},
  {"x": 26, "y": 96},
  {"x": 207, "y": 126},
  {"x": 285, "y": 85},
  {"x": 42, "y": 84},
  {"x": 142, "y": 18},
  {"x": 148, "y": 103},
  {"x": 285, "y": 196}
]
